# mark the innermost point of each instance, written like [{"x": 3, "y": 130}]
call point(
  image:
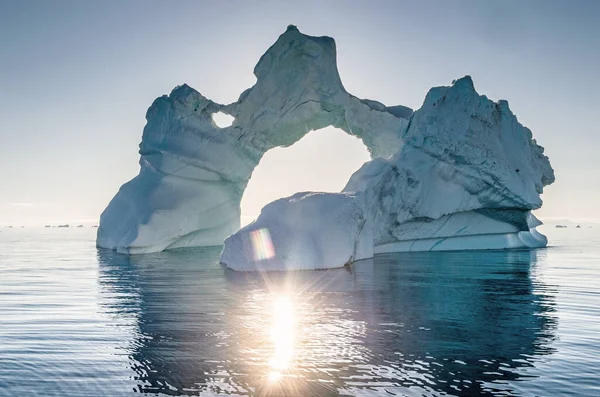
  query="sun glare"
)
[{"x": 282, "y": 335}]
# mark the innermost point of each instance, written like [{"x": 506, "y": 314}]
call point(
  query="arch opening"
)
[
  {"x": 222, "y": 120},
  {"x": 322, "y": 161}
]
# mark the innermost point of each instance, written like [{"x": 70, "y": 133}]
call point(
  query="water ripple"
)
[{"x": 86, "y": 322}]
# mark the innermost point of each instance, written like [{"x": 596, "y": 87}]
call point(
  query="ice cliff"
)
[
  {"x": 193, "y": 173},
  {"x": 459, "y": 173},
  {"x": 466, "y": 176}
]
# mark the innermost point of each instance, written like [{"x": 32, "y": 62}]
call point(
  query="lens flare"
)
[{"x": 262, "y": 245}]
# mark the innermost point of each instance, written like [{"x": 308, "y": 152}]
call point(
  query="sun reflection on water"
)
[{"x": 282, "y": 334}]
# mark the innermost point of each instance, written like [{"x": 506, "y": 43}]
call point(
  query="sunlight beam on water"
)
[
  {"x": 87, "y": 322},
  {"x": 282, "y": 336}
]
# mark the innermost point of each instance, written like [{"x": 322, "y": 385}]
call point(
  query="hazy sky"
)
[{"x": 76, "y": 78}]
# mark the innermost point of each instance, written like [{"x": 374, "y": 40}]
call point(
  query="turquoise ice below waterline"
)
[{"x": 82, "y": 322}]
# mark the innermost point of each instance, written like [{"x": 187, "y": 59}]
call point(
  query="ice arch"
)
[
  {"x": 467, "y": 176},
  {"x": 193, "y": 173},
  {"x": 322, "y": 161}
]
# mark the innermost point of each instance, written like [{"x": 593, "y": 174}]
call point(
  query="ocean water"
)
[{"x": 77, "y": 321}]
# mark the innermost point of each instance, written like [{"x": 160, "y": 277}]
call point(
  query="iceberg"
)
[
  {"x": 460, "y": 173},
  {"x": 467, "y": 176},
  {"x": 193, "y": 173}
]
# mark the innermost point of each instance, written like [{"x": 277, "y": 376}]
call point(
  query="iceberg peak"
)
[{"x": 465, "y": 83}]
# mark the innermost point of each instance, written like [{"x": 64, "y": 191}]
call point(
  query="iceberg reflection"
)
[{"x": 411, "y": 323}]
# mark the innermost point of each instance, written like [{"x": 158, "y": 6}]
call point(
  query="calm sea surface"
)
[{"x": 77, "y": 321}]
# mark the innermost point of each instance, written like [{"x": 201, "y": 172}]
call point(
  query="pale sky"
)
[{"x": 76, "y": 78}]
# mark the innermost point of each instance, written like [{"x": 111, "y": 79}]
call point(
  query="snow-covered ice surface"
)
[
  {"x": 467, "y": 176},
  {"x": 193, "y": 173}
]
